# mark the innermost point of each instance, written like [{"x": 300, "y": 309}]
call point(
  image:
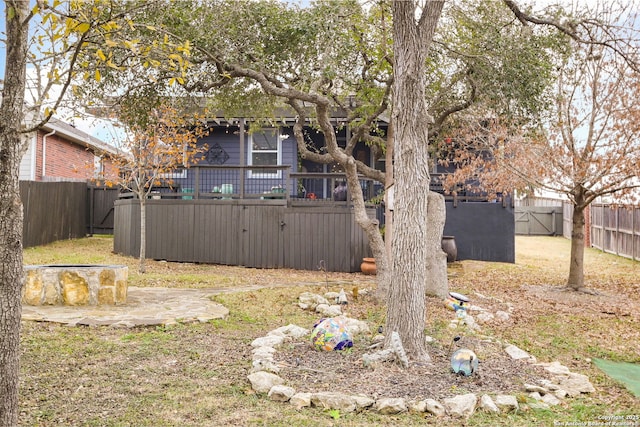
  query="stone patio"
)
[{"x": 144, "y": 306}]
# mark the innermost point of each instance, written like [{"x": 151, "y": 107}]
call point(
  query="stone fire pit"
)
[{"x": 75, "y": 285}]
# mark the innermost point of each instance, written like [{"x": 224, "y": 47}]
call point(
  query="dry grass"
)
[{"x": 195, "y": 374}]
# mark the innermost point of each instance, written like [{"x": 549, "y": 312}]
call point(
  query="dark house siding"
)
[{"x": 223, "y": 149}]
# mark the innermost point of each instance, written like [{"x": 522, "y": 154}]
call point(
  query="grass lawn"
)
[{"x": 195, "y": 374}]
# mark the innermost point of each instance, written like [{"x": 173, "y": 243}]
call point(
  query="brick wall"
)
[{"x": 65, "y": 160}]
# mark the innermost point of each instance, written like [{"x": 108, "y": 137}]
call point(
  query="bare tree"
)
[
  {"x": 160, "y": 140},
  {"x": 589, "y": 149}
]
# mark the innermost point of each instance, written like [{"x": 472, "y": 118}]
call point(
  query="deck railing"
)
[
  {"x": 279, "y": 183},
  {"x": 258, "y": 182}
]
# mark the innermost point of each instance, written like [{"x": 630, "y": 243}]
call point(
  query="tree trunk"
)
[
  {"x": 142, "y": 268},
  {"x": 11, "y": 151},
  {"x": 576, "y": 266},
  {"x": 369, "y": 225},
  {"x": 406, "y": 308},
  {"x": 382, "y": 290},
  {"x": 436, "y": 278}
]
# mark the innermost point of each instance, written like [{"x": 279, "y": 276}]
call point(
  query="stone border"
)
[{"x": 264, "y": 379}]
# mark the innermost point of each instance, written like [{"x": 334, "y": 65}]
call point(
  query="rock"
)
[
  {"x": 332, "y": 400},
  {"x": 461, "y": 406},
  {"x": 290, "y": 330},
  {"x": 342, "y": 298},
  {"x": 502, "y": 316},
  {"x": 371, "y": 359},
  {"x": 518, "y": 354},
  {"x": 262, "y": 381},
  {"x": 329, "y": 310},
  {"x": 507, "y": 402},
  {"x": 340, "y": 401},
  {"x": 484, "y": 317},
  {"x": 301, "y": 400},
  {"x": 434, "y": 407},
  {"x": 487, "y": 404},
  {"x": 535, "y": 395},
  {"x": 311, "y": 300},
  {"x": 331, "y": 296},
  {"x": 576, "y": 384},
  {"x": 417, "y": 406},
  {"x": 268, "y": 341},
  {"x": 363, "y": 402},
  {"x": 264, "y": 365},
  {"x": 263, "y": 353},
  {"x": 390, "y": 406},
  {"x": 550, "y": 399},
  {"x": 355, "y": 326},
  {"x": 556, "y": 369},
  {"x": 535, "y": 388},
  {"x": 560, "y": 394},
  {"x": 471, "y": 322},
  {"x": 549, "y": 385},
  {"x": 281, "y": 393}
]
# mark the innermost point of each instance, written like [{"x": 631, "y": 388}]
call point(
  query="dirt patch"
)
[
  {"x": 562, "y": 300},
  {"x": 309, "y": 370}
]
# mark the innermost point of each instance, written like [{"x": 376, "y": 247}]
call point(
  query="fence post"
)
[
  {"x": 196, "y": 184},
  {"x": 91, "y": 208}
]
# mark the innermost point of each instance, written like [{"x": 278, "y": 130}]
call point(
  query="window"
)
[
  {"x": 265, "y": 148},
  {"x": 98, "y": 167}
]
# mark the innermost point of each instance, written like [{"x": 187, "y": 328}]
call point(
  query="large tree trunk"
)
[
  {"x": 576, "y": 266},
  {"x": 11, "y": 151},
  {"x": 436, "y": 277},
  {"x": 406, "y": 308}
]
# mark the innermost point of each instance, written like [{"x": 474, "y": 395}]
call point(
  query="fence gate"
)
[
  {"x": 100, "y": 211},
  {"x": 538, "y": 220}
]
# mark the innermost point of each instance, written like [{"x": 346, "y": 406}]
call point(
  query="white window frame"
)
[
  {"x": 250, "y": 151},
  {"x": 98, "y": 166}
]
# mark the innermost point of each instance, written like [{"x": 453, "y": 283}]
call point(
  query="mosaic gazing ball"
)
[
  {"x": 330, "y": 334},
  {"x": 464, "y": 362},
  {"x": 456, "y": 301}
]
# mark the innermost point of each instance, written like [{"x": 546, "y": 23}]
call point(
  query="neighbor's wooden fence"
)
[
  {"x": 53, "y": 211},
  {"x": 537, "y": 216},
  {"x": 616, "y": 229},
  {"x": 65, "y": 210}
]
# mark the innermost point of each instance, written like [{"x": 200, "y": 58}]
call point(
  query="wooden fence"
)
[
  {"x": 616, "y": 229},
  {"x": 251, "y": 233},
  {"x": 53, "y": 211},
  {"x": 65, "y": 210},
  {"x": 538, "y": 220}
]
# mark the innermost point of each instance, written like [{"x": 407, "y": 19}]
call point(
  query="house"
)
[
  {"x": 250, "y": 199},
  {"x": 263, "y": 162},
  {"x": 60, "y": 152}
]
